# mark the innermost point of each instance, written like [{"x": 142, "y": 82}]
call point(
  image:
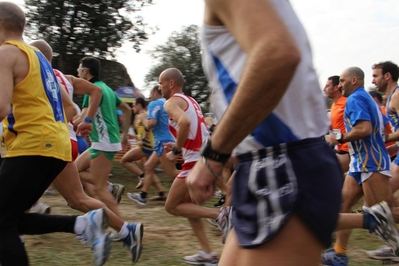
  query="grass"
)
[{"x": 166, "y": 238}]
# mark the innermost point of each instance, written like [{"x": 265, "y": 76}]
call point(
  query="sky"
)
[{"x": 342, "y": 33}]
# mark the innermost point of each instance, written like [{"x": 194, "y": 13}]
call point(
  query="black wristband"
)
[
  {"x": 175, "y": 151},
  {"x": 208, "y": 153}
]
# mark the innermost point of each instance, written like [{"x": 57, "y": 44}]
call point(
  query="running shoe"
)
[
  {"x": 134, "y": 240},
  {"x": 386, "y": 229},
  {"x": 331, "y": 258},
  {"x": 136, "y": 197},
  {"x": 383, "y": 253},
  {"x": 117, "y": 191},
  {"x": 95, "y": 235},
  {"x": 224, "y": 221},
  {"x": 202, "y": 258},
  {"x": 140, "y": 184}
]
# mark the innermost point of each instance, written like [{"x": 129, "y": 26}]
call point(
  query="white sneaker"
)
[
  {"x": 202, "y": 258},
  {"x": 224, "y": 221},
  {"x": 95, "y": 235},
  {"x": 117, "y": 192},
  {"x": 386, "y": 229},
  {"x": 383, "y": 253},
  {"x": 41, "y": 208}
]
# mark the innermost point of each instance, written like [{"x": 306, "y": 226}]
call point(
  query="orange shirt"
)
[
  {"x": 337, "y": 120},
  {"x": 388, "y": 129}
]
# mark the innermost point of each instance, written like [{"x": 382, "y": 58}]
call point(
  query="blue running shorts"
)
[
  {"x": 302, "y": 177},
  {"x": 159, "y": 146}
]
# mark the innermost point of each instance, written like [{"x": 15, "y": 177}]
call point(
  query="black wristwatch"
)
[
  {"x": 175, "y": 151},
  {"x": 208, "y": 153}
]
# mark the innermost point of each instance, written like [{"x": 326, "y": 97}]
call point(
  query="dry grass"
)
[{"x": 166, "y": 238}]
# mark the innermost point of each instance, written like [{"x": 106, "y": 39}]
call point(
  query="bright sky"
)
[{"x": 342, "y": 33}]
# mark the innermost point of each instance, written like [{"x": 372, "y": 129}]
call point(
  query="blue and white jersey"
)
[
  {"x": 392, "y": 115},
  {"x": 161, "y": 129},
  {"x": 301, "y": 112},
  {"x": 368, "y": 154}
]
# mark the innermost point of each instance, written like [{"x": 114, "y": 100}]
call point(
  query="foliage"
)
[
  {"x": 183, "y": 51},
  {"x": 77, "y": 28}
]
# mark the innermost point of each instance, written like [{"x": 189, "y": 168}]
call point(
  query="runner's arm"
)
[{"x": 81, "y": 87}]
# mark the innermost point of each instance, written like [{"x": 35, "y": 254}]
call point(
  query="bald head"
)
[
  {"x": 355, "y": 72},
  {"x": 12, "y": 18},
  {"x": 44, "y": 47},
  {"x": 173, "y": 74}
]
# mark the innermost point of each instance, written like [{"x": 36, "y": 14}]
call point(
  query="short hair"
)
[
  {"x": 93, "y": 64},
  {"x": 141, "y": 101},
  {"x": 376, "y": 94},
  {"x": 157, "y": 89},
  {"x": 174, "y": 74},
  {"x": 388, "y": 67},
  {"x": 334, "y": 79},
  {"x": 12, "y": 17}
]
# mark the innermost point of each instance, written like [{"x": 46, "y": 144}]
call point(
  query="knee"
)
[
  {"x": 171, "y": 209},
  {"x": 147, "y": 168},
  {"x": 74, "y": 203},
  {"x": 123, "y": 161}
]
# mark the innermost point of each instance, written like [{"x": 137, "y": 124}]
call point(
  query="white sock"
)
[
  {"x": 80, "y": 225},
  {"x": 109, "y": 187},
  {"x": 124, "y": 231}
]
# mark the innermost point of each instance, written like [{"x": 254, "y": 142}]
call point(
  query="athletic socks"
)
[
  {"x": 338, "y": 249},
  {"x": 124, "y": 231},
  {"x": 80, "y": 225},
  {"x": 143, "y": 194}
]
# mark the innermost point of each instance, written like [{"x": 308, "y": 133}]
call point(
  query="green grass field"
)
[{"x": 166, "y": 238}]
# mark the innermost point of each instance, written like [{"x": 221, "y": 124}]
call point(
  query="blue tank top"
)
[{"x": 161, "y": 129}]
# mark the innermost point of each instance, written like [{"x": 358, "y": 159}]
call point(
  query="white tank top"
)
[
  {"x": 198, "y": 129},
  {"x": 301, "y": 112},
  {"x": 68, "y": 86}
]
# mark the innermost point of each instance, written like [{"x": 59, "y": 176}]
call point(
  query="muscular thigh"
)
[
  {"x": 377, "y": 188},
  {"x": 83, "y": 161},
  {"x": 178, "y": 193}
]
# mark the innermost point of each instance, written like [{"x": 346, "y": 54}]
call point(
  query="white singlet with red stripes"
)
[
  {"x": 198, "y": 129},
  {"x": 69, "y": 88}
]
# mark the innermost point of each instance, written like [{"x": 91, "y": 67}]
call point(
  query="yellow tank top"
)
[
  {"x": 148, "y": 142},
  {"x": 36, "y": 124}
]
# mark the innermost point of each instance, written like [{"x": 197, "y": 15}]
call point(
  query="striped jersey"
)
[
  {"x": 301, "y": 112},
  {"x": 105, "y": 133},
  {"x": 368, "y": 154},
  {"x": 198, "y": 130},
  {"x": 392, "y": 115},
  {"x": 69, "y": 88}
]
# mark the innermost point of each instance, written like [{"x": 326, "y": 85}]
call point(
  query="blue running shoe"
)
[
  {"x": 95, "y": 235},
  {"x": 134, "y": 240},
  {"x": 331, "y": 258}
]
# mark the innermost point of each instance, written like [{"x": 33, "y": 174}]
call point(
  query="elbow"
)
[{"x": 291, "y": 56}]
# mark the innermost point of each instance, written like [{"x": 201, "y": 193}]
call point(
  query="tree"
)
[
  {"x": 183, "y": 51},
  {"x": 77, "y": 28}
]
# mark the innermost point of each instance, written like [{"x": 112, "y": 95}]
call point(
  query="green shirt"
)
[{"x": 105, "y": 133}]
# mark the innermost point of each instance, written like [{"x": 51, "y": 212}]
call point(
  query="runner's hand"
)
[
  {"x": 201, "y": 182},
  {"x": 84, "y": 128}
]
